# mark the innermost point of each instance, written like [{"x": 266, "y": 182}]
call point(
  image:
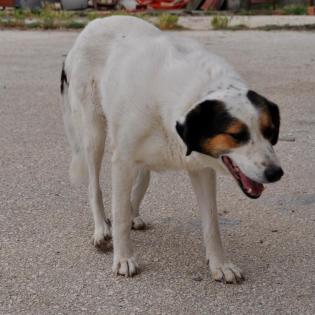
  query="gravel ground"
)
[{"x": 47, "y": 264}]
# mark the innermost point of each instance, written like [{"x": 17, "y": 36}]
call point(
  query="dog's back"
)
[{"x": 92, "y": 47}]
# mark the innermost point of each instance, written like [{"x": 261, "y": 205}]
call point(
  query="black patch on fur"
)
[
  {"x": 206, "y": 120},
  {"x": 262, "y": 103},
  {"x": 63, "y": 79}
]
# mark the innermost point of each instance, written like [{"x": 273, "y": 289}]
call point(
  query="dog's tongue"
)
[{"x": 251, "y": 187}]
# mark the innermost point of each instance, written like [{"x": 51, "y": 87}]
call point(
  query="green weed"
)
[
  {"x": 168, "y": 22},
  {"x": 295, "y": 9},
  {"x": 220, "y": 22}
]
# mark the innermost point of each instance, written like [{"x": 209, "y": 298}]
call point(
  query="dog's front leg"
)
[
  {"x": 122, "y": 177},
  {"x": 204, "y": 185}
]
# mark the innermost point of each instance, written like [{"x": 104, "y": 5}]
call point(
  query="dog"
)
[{"x": 164, "y": 103}]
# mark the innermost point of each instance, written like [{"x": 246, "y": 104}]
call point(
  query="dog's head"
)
[{"x": 239, "y": 131}]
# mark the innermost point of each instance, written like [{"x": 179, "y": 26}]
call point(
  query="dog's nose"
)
[{"x": 273, "y": 173}]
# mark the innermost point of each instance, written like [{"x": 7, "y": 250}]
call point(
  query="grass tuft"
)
[
  {"x": 168, "y": 22},
  {"x": 220, "y": 22}
]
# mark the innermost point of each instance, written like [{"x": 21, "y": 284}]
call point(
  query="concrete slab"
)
[
  {"x": 251, "y": 22},
  {"x": 47, "y": 264}
]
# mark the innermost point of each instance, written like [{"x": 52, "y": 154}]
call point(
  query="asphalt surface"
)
[{"x": 47, "y": 263}]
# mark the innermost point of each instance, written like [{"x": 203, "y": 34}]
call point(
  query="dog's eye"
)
[{"x": 240, "y": 136}]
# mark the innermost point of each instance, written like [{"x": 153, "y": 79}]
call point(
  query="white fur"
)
[{"x": 132, "y": 82}]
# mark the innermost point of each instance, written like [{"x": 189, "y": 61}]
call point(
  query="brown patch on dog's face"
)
[
  {"x": 264, "y": 120},
  {"x": 219, "y": 144},
  {"x": 235, "y": 127},
  {"x": 235, "y": 135}
]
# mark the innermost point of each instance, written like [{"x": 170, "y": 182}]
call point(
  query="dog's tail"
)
[{"x": 73, "y": 127}]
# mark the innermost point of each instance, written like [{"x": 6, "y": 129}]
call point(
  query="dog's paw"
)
[
  {"x": 138, "y": 224},
  {"x": 102, "y": 235},
  {"x": 227, "y": 273},
  {"x": 126, "y": 267}
]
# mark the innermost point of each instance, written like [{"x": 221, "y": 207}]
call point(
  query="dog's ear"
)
[
  {"x": 271, "y": 108},
  {"x": 275, "y": 117},
  {"x": 202, "y": 122}
]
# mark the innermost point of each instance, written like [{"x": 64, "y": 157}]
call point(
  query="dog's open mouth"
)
[{"x": 250, "y": 188}]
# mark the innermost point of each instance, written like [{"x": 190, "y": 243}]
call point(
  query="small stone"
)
[
  {"x": 287, "y": 138},
  {"x": 197, "y": 278}
]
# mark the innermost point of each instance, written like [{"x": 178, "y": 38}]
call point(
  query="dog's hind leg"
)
[
  {"x": 85, "y": 127},
  {"x": 204, "y": 185},
  {"x": 94, "y": 141},
  {"x": 139, "y": 189},
  {"x": 90, "y": 127}
]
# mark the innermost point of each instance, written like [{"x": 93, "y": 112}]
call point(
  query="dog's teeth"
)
[{"x": 249, "y": 190}]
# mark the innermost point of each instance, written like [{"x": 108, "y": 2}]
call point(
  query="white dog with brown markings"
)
[{"x": 164, "y": 103}]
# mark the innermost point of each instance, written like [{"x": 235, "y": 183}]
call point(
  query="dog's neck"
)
[
  {"x": 217, "y": 89},
  {"x": 211, "y": 78}
]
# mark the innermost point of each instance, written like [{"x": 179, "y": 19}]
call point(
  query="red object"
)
[
  {"x": 311, "y": 10},
  {"x": 164, "y": 4},
  {"x": 7, "y": 3},
  {"x": 211, "y": 4}
]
